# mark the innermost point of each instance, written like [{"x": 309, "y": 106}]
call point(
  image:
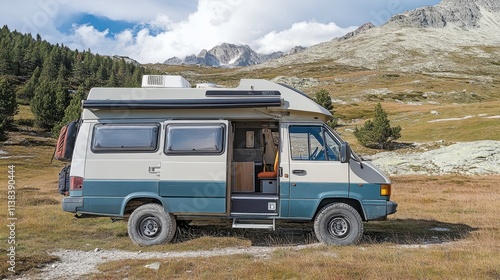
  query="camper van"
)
[{"x": 167, "y": 153}]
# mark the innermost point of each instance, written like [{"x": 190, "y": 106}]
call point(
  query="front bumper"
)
[
  {"x": 391, "y": 207},
  {"x": 70, "y": 204}
]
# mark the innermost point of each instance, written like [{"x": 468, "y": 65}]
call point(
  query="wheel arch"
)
[
  {"x": 135, "y": 200},
  {"x": 354, "y": 203}
]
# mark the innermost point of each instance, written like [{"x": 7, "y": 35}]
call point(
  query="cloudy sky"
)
[{"x": 155, "y": 30}]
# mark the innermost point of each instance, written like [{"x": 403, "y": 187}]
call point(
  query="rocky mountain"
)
[
  {"x": 296, "y": 49},
  {"x": 453, "y": 36},
  {"x": 229, "y": 55},
  {"x": 358, "y": 31},
  {"x": 127, "y": 59},
  {"x": 461, "y": 13}
]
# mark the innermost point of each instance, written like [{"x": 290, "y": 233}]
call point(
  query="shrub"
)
[
  {"x": 377, "y": 133},
  {"x": 322, "y": 97}
]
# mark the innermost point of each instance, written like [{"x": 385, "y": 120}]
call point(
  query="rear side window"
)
[
  {"x": 125, "y": 138},
  {"x": 194, "y": 139}
]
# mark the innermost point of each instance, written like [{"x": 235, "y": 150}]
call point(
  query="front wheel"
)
[
  {"x": 338, "y": 224},
  {"x": 149, "y": 225}
]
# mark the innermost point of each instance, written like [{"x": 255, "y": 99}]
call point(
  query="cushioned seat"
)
[{"x": 270, "y": 174}]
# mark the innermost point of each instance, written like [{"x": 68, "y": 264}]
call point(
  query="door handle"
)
[
  {"x": 154, "y": 169},
  {"x": 299, "y": 172}
]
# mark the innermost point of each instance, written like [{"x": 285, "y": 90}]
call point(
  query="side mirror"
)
[{"x": 345, "y": 152}]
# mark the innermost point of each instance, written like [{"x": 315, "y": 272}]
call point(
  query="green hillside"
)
[{"x": 42, "y": 75}]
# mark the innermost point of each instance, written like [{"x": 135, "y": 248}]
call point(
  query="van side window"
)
[
  {"x": 125, "y": 138},
  {"x": 312, "y": 143},
  {"x": 194, "y": 139}
]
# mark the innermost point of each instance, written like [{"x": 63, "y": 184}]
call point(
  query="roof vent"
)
[{"x": 164, "y": 81}]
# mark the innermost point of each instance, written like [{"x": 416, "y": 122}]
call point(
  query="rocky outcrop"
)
[
  {"x": 463, "y": 13},
  {"x": 127, "y": 59},
  {"x": 296, "y": 82},
  {"x": 467, "y": 158},
  {"x": 356, "y": 32},
  {"x": 295, "y": 50}
]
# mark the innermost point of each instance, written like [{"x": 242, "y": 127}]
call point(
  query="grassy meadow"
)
[{"x": 446, "y": 227}]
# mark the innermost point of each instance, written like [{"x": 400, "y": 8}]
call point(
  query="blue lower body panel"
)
[{"x": 108, "y": 197}]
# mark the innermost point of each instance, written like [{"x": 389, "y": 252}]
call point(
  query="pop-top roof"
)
[{"x": 251, "y": 93}]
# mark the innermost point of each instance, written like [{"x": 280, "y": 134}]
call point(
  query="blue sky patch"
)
[{"x": 100, "y": 23}]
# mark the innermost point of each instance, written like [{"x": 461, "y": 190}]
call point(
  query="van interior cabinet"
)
[{"x": 244, "y": 177}]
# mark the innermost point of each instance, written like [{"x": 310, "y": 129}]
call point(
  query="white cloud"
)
[
  {"x": 300, "y": 34},
  {"x": 89, "y": 36},
  {"x": 166, "y": 28},
  {"x": 214, "y": 22}
]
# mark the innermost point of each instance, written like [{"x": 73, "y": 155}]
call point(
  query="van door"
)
[
  {"x": 314, "y": 169},
  {"x": 193, "y": 173}
]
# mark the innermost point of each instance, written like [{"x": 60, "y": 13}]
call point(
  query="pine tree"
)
[
  {"x": 322, "y": 97},
  {"x": 378, "y": 132},
  {"x": 5, "y": 60},
  {"x": 73, "y": 110},
  {"x": 8, "y": 105},
  {"x": 44, "y": 105},
  {"x": 62, "y": 93},
  {"x": 28, "y": 90},
  {"x": 112, "y": 81},
  {"x": 17, "y": 58},
  {"x": 49, "y": 69}
]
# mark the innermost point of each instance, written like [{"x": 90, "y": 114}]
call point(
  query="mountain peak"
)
[
  {"x": 359, "y": 30},
  {"x": 461, "y": 13},
  {"x": 455, "y": 34},
  {"x": 228, "y": 55}
]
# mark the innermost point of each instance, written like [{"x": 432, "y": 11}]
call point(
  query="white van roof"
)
[{"x": 251, "y": 94}]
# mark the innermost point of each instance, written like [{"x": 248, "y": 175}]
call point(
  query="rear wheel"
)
[
  {"x": 338, "y": 224},
  {"x": 149, "y": 225}
]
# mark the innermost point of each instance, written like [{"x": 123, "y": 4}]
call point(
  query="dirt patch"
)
[{"x": 74, "y": 264}]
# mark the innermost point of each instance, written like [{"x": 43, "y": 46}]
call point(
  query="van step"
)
[{"x": 260, "y": 224}]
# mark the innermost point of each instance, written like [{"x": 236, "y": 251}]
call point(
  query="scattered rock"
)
[
  {"x": 450, "y": 119},
  {"x": 96, "y": 250},
  {"x": 440, "y": 229},
  {"x": 154, "y": 266},
  {"x": 298, "y": 83},
  {"x": 331, "y": 255},
  {"x": 434, "y": 112},
  {"x": 467, "y": 158},
  {"x": 378, "y": 91}
]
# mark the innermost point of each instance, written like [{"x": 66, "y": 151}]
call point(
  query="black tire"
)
[
  {"x": 338, "y": 224},
  {"x": 149, "y": 225}
]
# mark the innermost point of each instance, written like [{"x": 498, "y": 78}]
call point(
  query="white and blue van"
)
[{"x": 254, "y": 154}]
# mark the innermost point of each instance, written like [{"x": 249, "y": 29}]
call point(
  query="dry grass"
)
[
  {"x": 413, "y": 244},
  {"x": 445, "y": 228},
  {"x": 409, "y": 243}
]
